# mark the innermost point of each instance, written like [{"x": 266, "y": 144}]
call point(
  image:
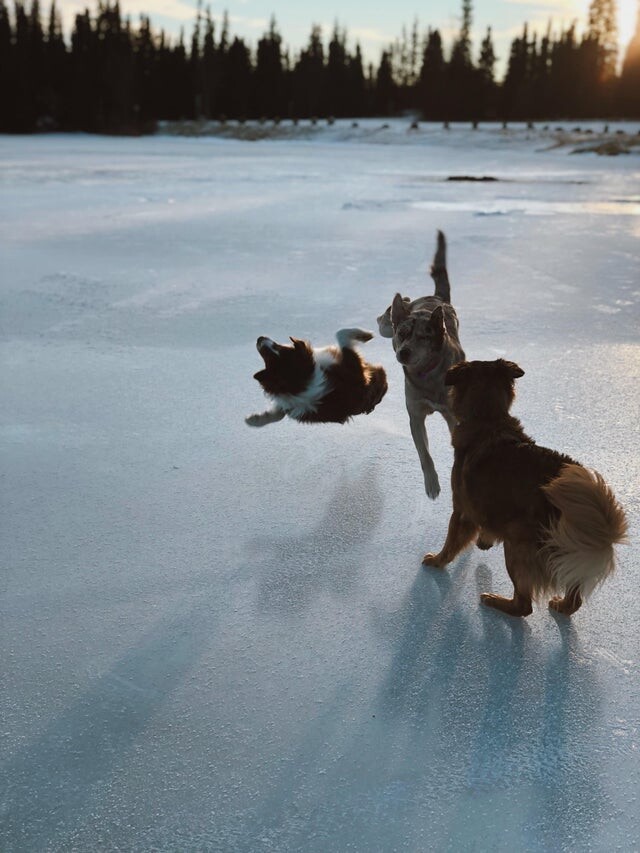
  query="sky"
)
[{"x": 373, "y": 25}]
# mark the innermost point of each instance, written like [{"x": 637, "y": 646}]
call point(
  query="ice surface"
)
[{"x": 217, "y": 638}]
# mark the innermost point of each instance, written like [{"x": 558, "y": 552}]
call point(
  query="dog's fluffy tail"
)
[
  {"x": 439, "y": 272},
  {"x": 351, "y": 337},
  {"x": 579, "y": 545}
]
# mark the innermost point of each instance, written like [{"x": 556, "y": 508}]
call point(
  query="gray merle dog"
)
[{"x": 425, "y": 340}]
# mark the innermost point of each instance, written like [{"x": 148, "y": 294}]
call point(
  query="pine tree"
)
[
  {"x": 486, "y": 80},
  {"x": 461, "y": 101},
  {"x": 239, "y": 77},
  {"x": 309, "y": 78},
  {"x": 208, "y": 59},
  {"x": 540, "y": 74},
  {"x": 356, "y": 85},
  {"x": 385, "y": 88},
  {"x": 431, "y": 82},
  {"x": 56, "y": 75},
  {"x": 515, "y": 101},
  {"x": 629, "y": 88},
  {"x": 27, "y": 67},
  {"x": 337, "y": 74},
  {"x": 563, "y": 78},
  {"x": 8, "y": 105},
  {"x": 603, "y": 29},
  {"x": 269, "y": 74}
]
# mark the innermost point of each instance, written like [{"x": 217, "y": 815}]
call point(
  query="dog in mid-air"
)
[
  {"x": 332, "y": 384},
  {"x": 425, "y": 339},
  {"x": 558, "y": 520}
]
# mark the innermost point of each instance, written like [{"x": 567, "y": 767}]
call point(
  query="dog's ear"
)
[
  {"x": 298, "y": 344},
  {"x": 399, "y": 310},
  {"x": 456, "y": 374},
  {"x": 512, "y": 370},
  {"x": 260, "y": 375}
]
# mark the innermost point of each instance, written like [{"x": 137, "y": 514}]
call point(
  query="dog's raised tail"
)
[
  {"x": 438, "y": 270},
  {"x": 579, "y": 545}
]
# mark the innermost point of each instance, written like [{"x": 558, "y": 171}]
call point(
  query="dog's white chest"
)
[{"x": 297, "y": 405}]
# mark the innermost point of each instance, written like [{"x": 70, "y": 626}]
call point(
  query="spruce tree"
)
[
  {"x": 431, "y": 82},
  {"x": 629, "y": 88},
  {"x": 269, "y": 75},
  {"x": 309, "y": 78},
  {"x": 385, "y": 87},
  {"x": 461, "y": 100},
  {"x": 486, "y": 80},
  {"x": 603, "y": 29},
  {"x": 337, "y": 74},
  {"x": 8, "y": 105}
]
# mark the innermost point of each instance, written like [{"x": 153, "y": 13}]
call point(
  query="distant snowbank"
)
[{"x": 601, "y": 137}]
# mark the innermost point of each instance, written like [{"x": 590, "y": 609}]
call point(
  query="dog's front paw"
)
[
  {"x": 432, "y": 485},
  {"x": 433, "y": 560},
  {"x": 255, "y": 420}
]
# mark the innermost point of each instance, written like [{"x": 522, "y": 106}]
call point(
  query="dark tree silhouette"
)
[
  {"x": 308, "y": 82},
  {"x": 461, "y": 101},
  {"x": 269, "y": 74},
  {"x": 431, "y": 83},
  {"x": 115, "y": 77},
  {"x": 486, "y": 84},
  {"x": 629, "y": 89},
  {"x": 385, "y": 94}
]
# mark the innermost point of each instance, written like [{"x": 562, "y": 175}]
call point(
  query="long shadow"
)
[
  {"x": 328, "y": 557},
  {"x": 429, "y": 643},
  {"x": 572, "y": 796},
  {"x": 47, "y": 783},
  {"x": 495, "y": 713},
  {"x": 471, "y": 729}
]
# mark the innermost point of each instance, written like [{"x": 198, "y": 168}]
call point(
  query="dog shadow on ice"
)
[
  {"x": 496, "y": 713},
  {"x": 329, "y": 556}
]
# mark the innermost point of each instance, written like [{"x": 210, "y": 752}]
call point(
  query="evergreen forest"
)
[{"x": 113, "y": 76}]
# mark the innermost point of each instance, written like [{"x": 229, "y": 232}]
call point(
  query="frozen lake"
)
[{"x": 222, "y": 639}]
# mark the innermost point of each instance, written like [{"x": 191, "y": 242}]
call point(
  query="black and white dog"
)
[{"x": 325, "y": 385}]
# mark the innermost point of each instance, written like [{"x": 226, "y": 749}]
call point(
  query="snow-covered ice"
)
[{"x": 218, "y": 638}]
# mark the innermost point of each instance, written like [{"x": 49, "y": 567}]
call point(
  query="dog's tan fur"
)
[
  {"x": 425, "y": 339},
  {"x": 558, "y": 520}
]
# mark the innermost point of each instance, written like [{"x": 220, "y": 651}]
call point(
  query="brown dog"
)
[{"x": 558, "y": 520}]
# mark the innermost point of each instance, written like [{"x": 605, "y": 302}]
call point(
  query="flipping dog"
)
[
  {"x": 558, "y": 520},
  {"x": 425, "y": 339},
  {"x": 318, "y": 385}
]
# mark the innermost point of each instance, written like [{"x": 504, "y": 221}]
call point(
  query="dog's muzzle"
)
[{"x": 266, "y": 346}]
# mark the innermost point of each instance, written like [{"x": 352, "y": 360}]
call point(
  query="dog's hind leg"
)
[
  {"x": 571, "y": 602},
  {"x": 351, "y": 337},
  {"x": 460, "y": 533},
  {"x": 417, "y": 415},
  {"x": 520, "y": 604}
]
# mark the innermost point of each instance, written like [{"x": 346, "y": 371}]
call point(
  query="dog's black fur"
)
[{"x": 329, "y": 385}]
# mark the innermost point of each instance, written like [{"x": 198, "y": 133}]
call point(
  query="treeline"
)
[{"x": 115, "y": 77}]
